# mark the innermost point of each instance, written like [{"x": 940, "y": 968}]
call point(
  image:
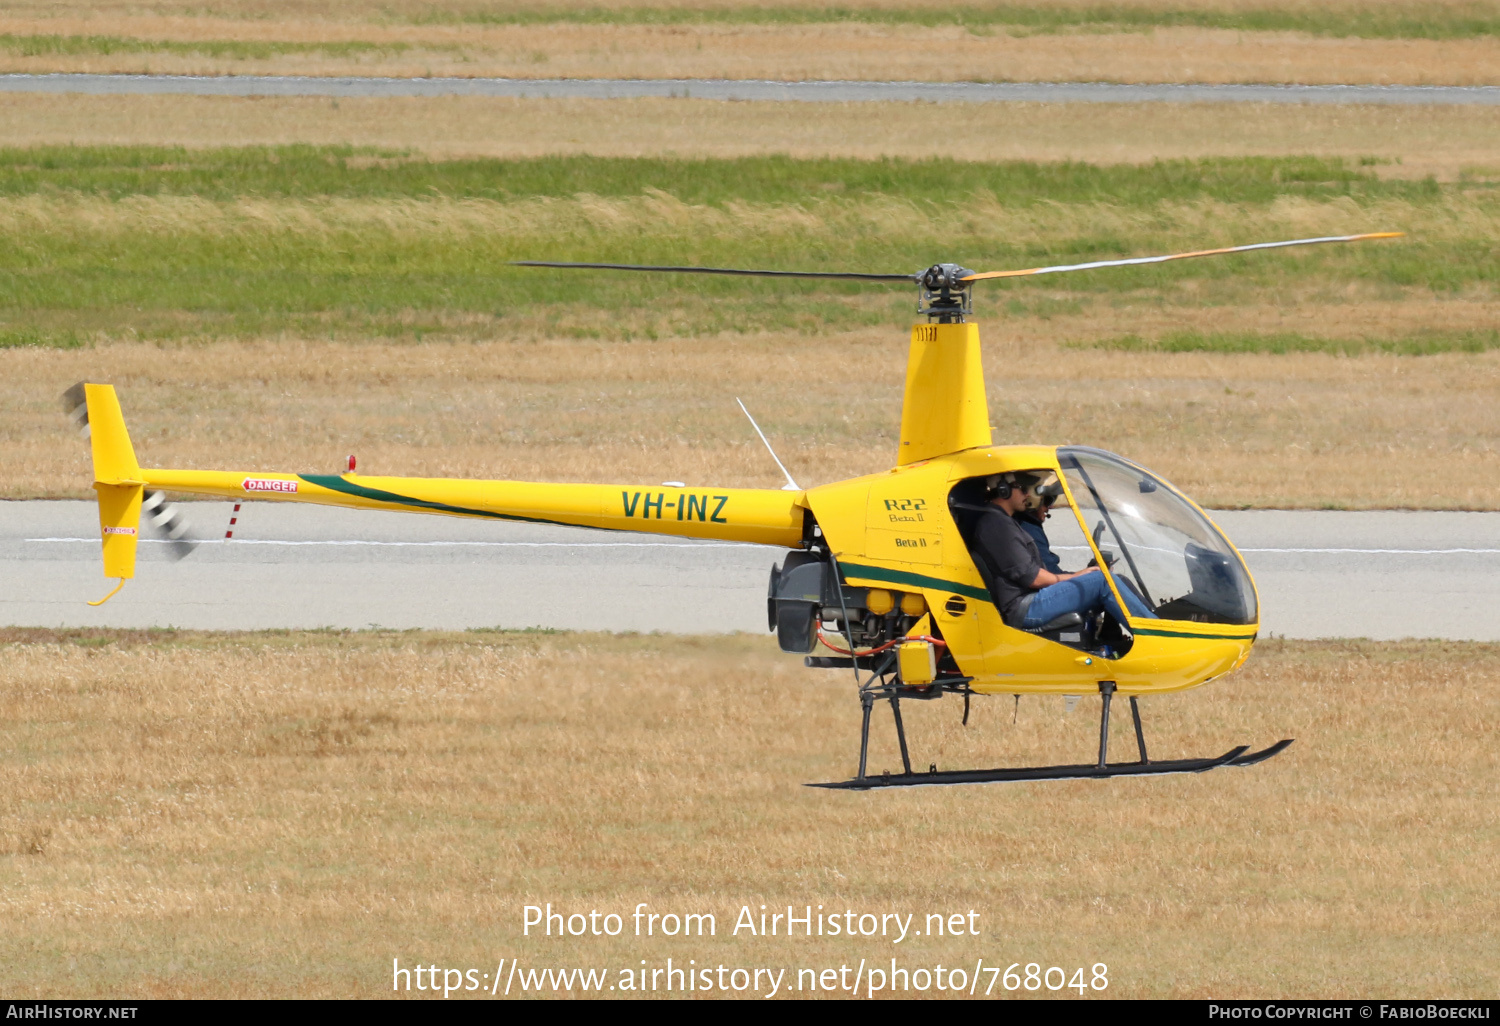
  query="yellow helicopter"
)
[{"x": 883, "y": 563}]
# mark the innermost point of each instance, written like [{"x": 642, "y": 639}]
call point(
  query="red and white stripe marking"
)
[{"x": 234, "y": 518}]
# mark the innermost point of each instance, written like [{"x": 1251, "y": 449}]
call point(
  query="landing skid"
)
[{"x": 1241, "y": 756}]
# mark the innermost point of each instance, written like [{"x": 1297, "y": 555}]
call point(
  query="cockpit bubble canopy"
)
[{"x": 1167, "y": 551}]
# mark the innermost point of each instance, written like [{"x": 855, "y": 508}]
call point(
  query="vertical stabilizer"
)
[
  {"x": 114, "y": 456},
  {"x": 117, "y": 480},
  {"x": 945, "y": 408}
]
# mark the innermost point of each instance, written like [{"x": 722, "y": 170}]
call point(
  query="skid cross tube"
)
[
  {"x": 901, "y": 733},
  {"x": 891, "y": 692},
  {"x": 1140, "y": 738},
  {"x": 866, "y": 703},
  {"x": 1107, "y": 692}
]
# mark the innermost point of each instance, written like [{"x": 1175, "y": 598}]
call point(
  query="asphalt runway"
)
[
  {"x": 751, "y": 89},
  {"x": 1321, "y": 574}
]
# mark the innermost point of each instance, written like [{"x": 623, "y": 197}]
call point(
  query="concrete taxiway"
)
[
  {"x": 1321, "y": 574},
  {"x": 752, "y": 89}
]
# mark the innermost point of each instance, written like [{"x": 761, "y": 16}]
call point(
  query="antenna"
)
[{"x": 790, "y": 486}]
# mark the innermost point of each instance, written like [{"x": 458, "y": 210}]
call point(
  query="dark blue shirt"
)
[{"x": 1039, "y": 535}]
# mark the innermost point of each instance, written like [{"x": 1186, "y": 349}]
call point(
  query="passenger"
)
[
  {"x": 1041, "y": 492},
  {"x": 1028, "y": 594},
  {"x": 1040, "y": 495}
]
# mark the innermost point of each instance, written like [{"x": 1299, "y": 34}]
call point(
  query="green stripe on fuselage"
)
[
  {"x": 1153, "y": 632},
  {"x": 879, "y": 573},
  {"x": 337, "y": 484}
]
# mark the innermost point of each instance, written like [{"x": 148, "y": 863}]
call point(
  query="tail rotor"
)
[{"x": 168, "y": 524}]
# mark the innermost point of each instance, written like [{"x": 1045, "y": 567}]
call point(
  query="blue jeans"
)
[{"x": 1084, "y": 595}]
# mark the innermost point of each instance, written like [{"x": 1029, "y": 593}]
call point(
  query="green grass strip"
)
[
  {"x": 1406, "y": 21},
  {"x": 229, "y": 49},
  {"x": 1286, "y": 342},
  {"x": 296, "y": 264},
  {"x": 304, "y": 171},
  {"x": 33, "y": 338}
]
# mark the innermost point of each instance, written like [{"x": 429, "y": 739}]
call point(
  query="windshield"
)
[{"x": 1164, "y": 549}]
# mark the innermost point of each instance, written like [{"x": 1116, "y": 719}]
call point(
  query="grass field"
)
[
  {"x": 283, "y": 814},
  {"x": 174, "y": 244}
]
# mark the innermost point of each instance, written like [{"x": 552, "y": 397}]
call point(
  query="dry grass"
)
[
  {"x": 1448, "y": 220},
  {"x": 1440, "y": 141},
  {"x": 1296, "y": 430},
  {"x": 827, "y": 51},
  {"x": 275, "y": 815},
  {"x": 384, "y": 11},
  {"x": 380, "y": 11}
]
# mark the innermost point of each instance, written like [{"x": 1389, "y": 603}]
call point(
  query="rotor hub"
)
[
  {"x": 945, "y": 296},
  {"x": 944, "y": 276}
]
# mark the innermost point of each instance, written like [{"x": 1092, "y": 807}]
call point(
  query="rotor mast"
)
[{"x": 944, "y": 408}]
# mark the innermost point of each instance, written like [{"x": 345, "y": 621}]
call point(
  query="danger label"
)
[
  {"x": 119, "y": 530},
  {"x": 266, "y": 484}
]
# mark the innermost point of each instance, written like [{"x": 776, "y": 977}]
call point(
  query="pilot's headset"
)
[{"x": 999, "y": 486}]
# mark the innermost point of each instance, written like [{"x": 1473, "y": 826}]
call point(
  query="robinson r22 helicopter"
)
[{"x": 881, "y": 562}]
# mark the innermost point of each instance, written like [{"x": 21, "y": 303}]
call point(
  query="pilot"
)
[{"x": 1028, "y": 594}]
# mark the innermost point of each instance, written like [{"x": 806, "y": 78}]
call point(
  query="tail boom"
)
[{"x": 755, "y": 515}]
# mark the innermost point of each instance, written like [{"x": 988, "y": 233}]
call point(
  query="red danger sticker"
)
[
  {"x": 119, "y": 530},
  {"x": 266, "y": 484}
]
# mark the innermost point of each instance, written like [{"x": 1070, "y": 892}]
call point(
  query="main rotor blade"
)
[
  {"x": 1057, "y": 269},
  {"x": 854, "y": 276}
]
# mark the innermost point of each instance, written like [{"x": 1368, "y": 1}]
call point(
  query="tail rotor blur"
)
[{"x": 168, "y": 524}]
